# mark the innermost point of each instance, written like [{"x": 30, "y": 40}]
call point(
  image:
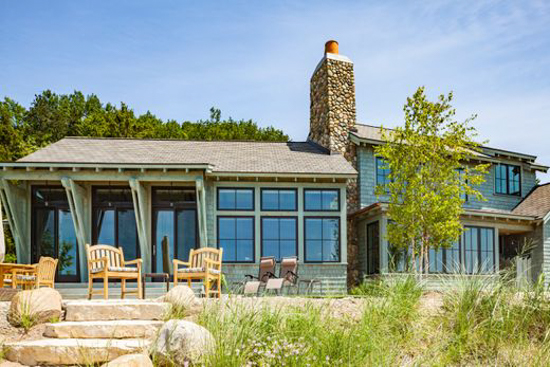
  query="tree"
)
[{"x": 431, "y": 164}]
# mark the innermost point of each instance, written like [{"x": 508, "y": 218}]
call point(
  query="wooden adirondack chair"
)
[
  {"x": 204, "y": 264},
  {"x": 107, "y": 262},
  {"x": 42, "y": 274}
]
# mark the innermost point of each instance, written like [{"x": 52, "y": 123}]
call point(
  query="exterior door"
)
[
  {"x": 174, "y": 226},
  {"x": 53, "y": 232}
]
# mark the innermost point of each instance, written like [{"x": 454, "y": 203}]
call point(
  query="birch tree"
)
[{"x": 433, "y": 164}]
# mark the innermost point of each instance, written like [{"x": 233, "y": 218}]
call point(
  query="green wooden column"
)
[
  {"x": 139, "y": 197},
  {"x": 16, "y": 202},
  {"x": 76, "y": 196},
  {"x": 201, "y": 211}
]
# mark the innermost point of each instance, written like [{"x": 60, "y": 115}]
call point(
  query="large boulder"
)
[
  {"x": 183, "y": 299},
  {"x": 180, "y": 342},
  {"x": 34, "y": 307},
  {"x": 130, "y": 360}
]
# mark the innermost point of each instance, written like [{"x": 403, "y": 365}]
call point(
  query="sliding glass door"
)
[
  {"x": 53, "y": 232},
  {"x": 174, "y": 226},
  {"x": 114, "y": 221}
]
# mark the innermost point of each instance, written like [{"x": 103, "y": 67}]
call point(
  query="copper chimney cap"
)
[{"x": 331, "y": 47}]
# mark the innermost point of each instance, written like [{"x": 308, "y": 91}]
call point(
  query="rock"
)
[
  {"x": 181, "y": 341},
  {"x": 113, "y": 329},
  {"x": 184, "y": 299},
  {"x": 130, "y": 360},
  {"x": 72, "y": 351},
  {"x": 101, "y": 310},
  {"x": 40, "y": 305},
  {"x": 11, "y": 364}
]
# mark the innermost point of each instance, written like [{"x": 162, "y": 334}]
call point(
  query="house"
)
[{"x": 157, "y": 199}]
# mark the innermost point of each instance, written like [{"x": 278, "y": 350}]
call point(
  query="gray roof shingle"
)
[{"x": 224, "y": 156}]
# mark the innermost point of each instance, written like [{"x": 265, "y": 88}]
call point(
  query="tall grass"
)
[
  {"x": 311, "y": 336},
  {"x": 495, "y": 323},
  {"x": 481, "y": 322}
]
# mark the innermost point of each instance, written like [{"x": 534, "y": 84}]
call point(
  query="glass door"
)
[
  {"x": 114, "y": 220},
  {"x": 174, "y": 226},
  {"x": 53, "y": 231}
]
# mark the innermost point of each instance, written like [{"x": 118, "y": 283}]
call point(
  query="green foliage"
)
[
  {"x": 308, "y": 335},
  {"x": 429, "y": 176},
  {"x": 53, "y": 116}
]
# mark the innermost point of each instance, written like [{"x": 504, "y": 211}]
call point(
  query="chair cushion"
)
[
  {"x": 197, "y": 270},
  {"x": 20, "y": 277},
  {"x": 26, "y": 277},
  {"x": 115, "y": 268}
]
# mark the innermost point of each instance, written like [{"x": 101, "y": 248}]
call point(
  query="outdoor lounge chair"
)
[
  {"x": 204, "y": 264},
  {"x": 288, "y": 276},
  {"x": 266, "y": 271},
  {"x": 41, "y": 275},
  {"x": 107, "y": 262}
]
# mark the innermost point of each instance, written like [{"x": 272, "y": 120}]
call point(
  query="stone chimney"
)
[{"x": 332, "y": 108}]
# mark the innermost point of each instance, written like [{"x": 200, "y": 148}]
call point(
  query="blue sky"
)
[{"x": 254, "y": 59}]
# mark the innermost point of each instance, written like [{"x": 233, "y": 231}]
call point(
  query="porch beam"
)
[
  {"x": 139, "y": 198},
  {"x": 15, "y": 201},
  {"x": 102, "y": 175},
  {"x": 76, "y": 196}
]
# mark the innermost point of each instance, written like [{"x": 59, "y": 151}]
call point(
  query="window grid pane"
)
[
  {"x": 322, "y": 239},
  {"x": 236, "y": 237},
  {"x": 235, "y": 199},
  {"x": 322, "y": 200},
  {"x": 279, "y": 237},
  {"x": 279, "y": 199}
]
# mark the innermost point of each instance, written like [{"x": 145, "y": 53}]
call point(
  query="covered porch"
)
[
  {"x": 491, "y": 241},
  {"x": 56, "y": 209}
]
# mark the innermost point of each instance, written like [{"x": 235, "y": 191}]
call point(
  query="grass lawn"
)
[{"x": 475, "y": 325}]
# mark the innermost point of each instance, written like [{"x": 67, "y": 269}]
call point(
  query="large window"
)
[
  {"x": 382, "y": 172},
  {"x": 236, "y": 237},
  {"x": 174, "y": 225},
  {"x": 322, "y": 200},
  {"x": 373, "y": 248},
  {"x": 279, "y": 237},
  {"x": 235, "y": 199},
  {"x": 445, "y": 260},
  {"x": 479, "y": 250},
  {"x": 322, "y": 239},
  {"x": 279, "y": 200},
  {"x": 507, "y": 179},
  {"x": 114, "y": 220},
  {"x": 53, "y": 232}
]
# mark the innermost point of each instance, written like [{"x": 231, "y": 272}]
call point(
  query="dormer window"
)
[{"x": 508, "y": 179}]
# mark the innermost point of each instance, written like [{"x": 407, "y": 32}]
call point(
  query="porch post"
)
[
  {"x": 76, "y": 196},
  {"x": 201, "y": 210},
  {"x": 16, "y": 202},
  {"x": 139, "y": 198},
  {"x": 383, "y": 245}
]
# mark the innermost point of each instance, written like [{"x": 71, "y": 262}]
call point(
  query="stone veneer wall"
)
[{"x": 332, "y": 117}]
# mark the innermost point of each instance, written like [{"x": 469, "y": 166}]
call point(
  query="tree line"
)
[{"x": 52, "y": 117}]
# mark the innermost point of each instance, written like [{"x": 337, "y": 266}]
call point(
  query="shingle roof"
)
[
  {"x": 536, "y": 203},
  {"x": 224, "y": 156},
  {"x": 370, "y": 132}
]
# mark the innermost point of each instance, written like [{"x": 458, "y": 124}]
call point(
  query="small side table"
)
[
  {"x": 309, "y": 283},
  {"x": 164, "y": 276}
]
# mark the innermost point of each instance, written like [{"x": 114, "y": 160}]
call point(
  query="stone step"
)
[
  {"x": 72, "y": 351},
  {"x": 105, "y": 310},
  {"x": 118, "y": 329}
]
